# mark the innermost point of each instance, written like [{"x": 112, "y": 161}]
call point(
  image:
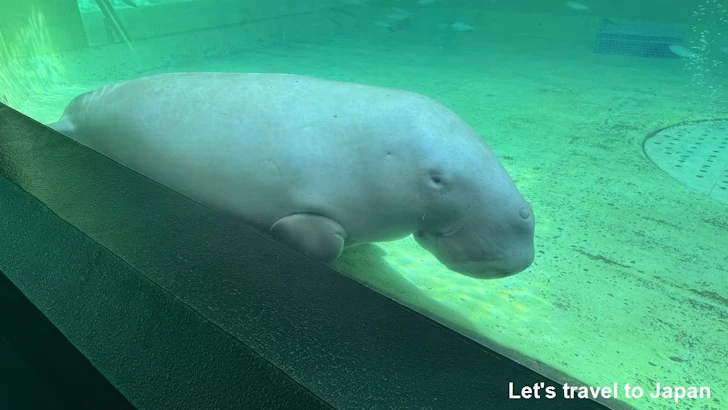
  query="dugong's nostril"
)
[{"x": 524, "y": 212}]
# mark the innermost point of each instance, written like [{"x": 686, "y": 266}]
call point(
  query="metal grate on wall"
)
[
  {"x": 695, "y": 154},
  {"x": 637, "y": 38}
]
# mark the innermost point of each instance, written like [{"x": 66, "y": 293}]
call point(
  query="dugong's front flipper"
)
[
  {"x": 312, "y": 234},
  {"x": 63, "y": 126}
]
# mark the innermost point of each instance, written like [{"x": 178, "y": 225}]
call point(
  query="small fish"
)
[
  {"x": 682, "y": 51},
  {"x": 398, "y": 14},
  {"x": 458, "y": 26},
  {"x": 383, "y": 24},
  {"x": 426, "y": 2},
  {"x": 575, "y": 5}
]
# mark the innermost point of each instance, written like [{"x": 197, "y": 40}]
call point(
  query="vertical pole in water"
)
[{"x": 112, "y": 19}]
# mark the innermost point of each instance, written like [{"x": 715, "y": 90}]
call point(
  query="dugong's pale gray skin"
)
[{"x": 320, "y": 165}]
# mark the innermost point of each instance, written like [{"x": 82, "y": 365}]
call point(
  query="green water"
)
[{"x": 630, "y": 282}]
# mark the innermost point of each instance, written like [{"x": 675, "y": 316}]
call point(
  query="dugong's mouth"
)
[
  {"x": 482, "y": 269},
  {"x": 468, "y": 256}
]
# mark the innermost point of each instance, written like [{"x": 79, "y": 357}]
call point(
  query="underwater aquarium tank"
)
[{"x": 611, "y": 118}]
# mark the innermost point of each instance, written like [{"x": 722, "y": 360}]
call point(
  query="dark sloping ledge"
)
[{"x": 180, "y": 307}]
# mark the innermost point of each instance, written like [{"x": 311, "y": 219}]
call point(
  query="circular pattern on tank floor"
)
[{"x": 695, "y": 154}]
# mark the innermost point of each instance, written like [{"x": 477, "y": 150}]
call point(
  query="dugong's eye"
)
[
  {"x": 437, "y": 182},
  {"x": 436, "y": 179}
]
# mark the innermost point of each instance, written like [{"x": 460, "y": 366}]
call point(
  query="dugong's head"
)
[{"x": 474, "y": 220}]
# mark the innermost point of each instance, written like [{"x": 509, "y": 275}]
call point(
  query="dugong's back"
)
[{"x": 258, "y": 144}]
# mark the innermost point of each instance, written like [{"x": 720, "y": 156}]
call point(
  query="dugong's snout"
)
[{"x": 490, "y": 248}]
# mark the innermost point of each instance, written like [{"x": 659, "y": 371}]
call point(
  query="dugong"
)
[{"x": 319, "y": 165}]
